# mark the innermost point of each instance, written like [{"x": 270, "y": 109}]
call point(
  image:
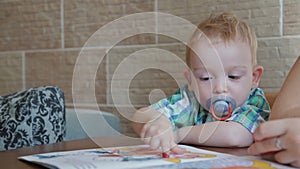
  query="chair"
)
[
  {"x": 85, "y": 123},
  {"x": 32, "y": 117}
]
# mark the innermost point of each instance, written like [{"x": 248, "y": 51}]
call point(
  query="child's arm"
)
[
  {"x": 155, "y": 129},
  {"x": 235, "y": 131},
  {"x": 146, "y": 115},
  {"x": 219, "y": 133}
]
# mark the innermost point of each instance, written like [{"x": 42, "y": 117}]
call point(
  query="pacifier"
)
[{"x": 221, "y": 107}]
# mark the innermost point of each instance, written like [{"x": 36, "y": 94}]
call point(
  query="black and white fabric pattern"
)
[{"x": 32, "y": 117}]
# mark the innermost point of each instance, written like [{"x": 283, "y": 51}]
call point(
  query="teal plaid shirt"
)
[{"x": 183, "y": 109}]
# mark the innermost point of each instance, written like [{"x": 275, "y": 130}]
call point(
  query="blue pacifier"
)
[{"x": 221, "y": 107}]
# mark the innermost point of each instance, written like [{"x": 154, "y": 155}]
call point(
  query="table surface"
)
[{"x": 8, "y": 159}]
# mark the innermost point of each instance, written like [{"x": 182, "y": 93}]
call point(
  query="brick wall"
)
[{"x": 140, "y": 57}]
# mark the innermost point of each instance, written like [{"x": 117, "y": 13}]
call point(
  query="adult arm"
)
[
  {"x": 281, "y": 127},
  {"x": 287, "y": 101}
]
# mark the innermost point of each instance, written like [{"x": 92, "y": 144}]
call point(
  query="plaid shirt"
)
[{"x": 183, "y": 109}]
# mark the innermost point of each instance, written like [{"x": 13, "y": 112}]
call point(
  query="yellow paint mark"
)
[
  {"x": 173, "y": 160},
  {"x": 262, "y": 164}
]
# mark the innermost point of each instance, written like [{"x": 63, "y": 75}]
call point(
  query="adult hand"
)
[{"x": 281, "y": 137}]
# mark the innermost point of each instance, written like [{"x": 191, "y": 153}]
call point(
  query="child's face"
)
[{"x": 222, "y": 69}]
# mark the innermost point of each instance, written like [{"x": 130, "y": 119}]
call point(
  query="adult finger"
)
[
  {"x": 285, "y": 157},
  {"x": 296, "y": 163},
  {"x": 270, "y": 129},
  {"x": 265, "y": 146}
]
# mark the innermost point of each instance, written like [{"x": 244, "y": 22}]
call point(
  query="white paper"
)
[{"x": 142, "y": 157}]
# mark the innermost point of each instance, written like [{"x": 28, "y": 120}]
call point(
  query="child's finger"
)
[
  {"x": 166, "y": 145},
  {"x": 144, "y": 130},
  {"x": 177, "y": 150},
  {"x": 148, "y": 131},
  {"x": 155, "y": 143}
]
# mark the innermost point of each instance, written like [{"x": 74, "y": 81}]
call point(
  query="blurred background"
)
[{"x": 40, "y": 41}]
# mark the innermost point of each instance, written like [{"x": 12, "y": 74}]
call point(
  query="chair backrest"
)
[
  {"x": 32, "y": 117},
  {"x": 85, "y": 123}
]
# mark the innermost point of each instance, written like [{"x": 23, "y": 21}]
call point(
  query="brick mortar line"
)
[
  {"x": 280, "y": 37},
  {"x": 62, "y": 24},
  {"x": 98, "y": 47},
  {"x": 156, "y": 30},
  {"x": 281, "y": 17},
  {"x": 99, "y": 105},
  {"x": 23, "y": 71}
]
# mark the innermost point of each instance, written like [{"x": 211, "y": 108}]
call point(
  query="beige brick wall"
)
[{"x": 42, "y": 40}]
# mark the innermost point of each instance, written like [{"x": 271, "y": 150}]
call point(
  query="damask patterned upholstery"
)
[{"x": 32, "y": 117}]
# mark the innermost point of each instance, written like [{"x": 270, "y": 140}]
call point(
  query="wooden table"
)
[{"x": 8, "y": 159}]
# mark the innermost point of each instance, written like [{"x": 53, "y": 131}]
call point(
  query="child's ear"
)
[
  {"x": 256, "y": 75},
  {"x": 188, "y": 77}
]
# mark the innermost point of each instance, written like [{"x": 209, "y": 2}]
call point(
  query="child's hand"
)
[{"x": 159, "y": 134}]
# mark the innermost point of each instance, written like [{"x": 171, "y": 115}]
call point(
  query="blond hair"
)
[{"x": 227, "y": 27}]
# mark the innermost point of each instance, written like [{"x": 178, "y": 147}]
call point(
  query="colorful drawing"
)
[
  {"x": 145, "y": 153},
  {"x": 143, "y": 157},
  {"x": 262, "y": 164},
  {"x": 256, "y": 165},
  {"x": 219, "y": 163}
]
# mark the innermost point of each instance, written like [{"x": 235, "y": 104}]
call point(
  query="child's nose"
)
[{"x": 220, "y": 86}]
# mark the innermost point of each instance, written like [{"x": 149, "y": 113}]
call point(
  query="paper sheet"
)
[{"x": 143, "y": 157}]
